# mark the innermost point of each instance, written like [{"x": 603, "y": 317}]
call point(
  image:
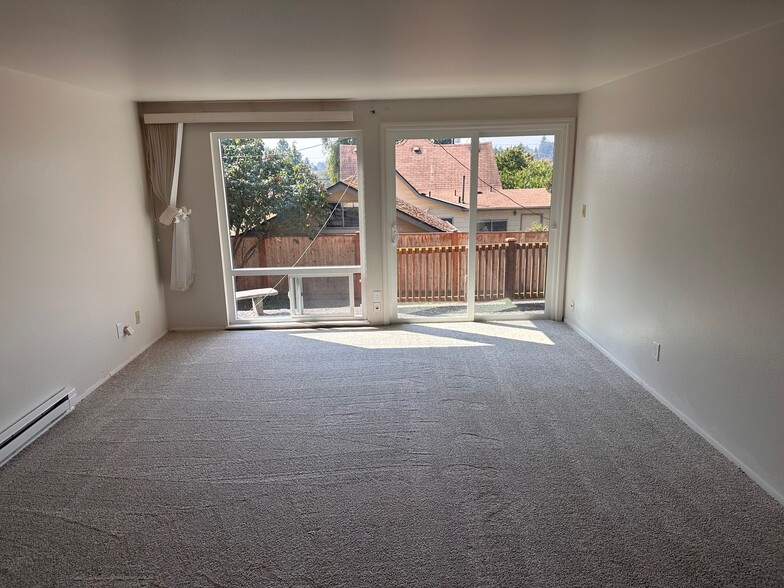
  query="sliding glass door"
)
[
  {"x": 513, "y": 224},
  {"x": 432, "y": 185},
  {"x": 471, "y": 212},
  {"x": 291, "y": 226}
]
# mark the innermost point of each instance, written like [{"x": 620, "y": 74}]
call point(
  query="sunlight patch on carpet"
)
[
  {"x": 524, "y": 331},
  {"x": 387, "y": 339}
]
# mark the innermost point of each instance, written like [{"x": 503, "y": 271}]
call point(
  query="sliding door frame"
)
[{"x": 560, "y": 206}]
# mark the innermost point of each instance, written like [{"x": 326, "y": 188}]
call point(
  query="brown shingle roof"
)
[
  {"x": 525, "y": 197},
  {"x": 424, "y": 216},
  {"x": 437, "y": 171},
  {"x": 497, "y": 199},
  {"x": 351, "y": 182},
  {"x": 430, "y": 167}
]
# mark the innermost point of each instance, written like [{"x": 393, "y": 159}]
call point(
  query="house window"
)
[
  {"x": 344, "y": 216},
  {"x": 448, "y": 219},
  {"x": 491, "y": 224}
]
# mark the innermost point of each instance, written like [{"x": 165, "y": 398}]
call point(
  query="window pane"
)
[
  {"x": 512, "y": 251},
  {"x": 324, "y": 296},
  {"x": 291, "y": 202},
  {"x": 262, "y": 297},
  {"x": 433, "y": 184}
]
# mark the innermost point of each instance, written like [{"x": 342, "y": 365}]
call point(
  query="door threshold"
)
[{"x": 298, "y": 325}]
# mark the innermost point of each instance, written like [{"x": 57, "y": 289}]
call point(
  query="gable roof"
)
[
  {"x": 429, "y": 167},
  {"x": 411, "y": 210},
  {"x": 436, "y": 171},
  {"x": 435, "y": 167},
  {"x": 424, "y": 216}
]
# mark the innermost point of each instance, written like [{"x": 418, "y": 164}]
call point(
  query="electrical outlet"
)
[
  {"x": 138, "y": 317},
  {"x": 376, "y": 295},
  {"x": 572, "y": 305},
  {"x": 120, "y": 327},
  {"x": 585, "y": 210},
  {"x": 656, "y": 351}
]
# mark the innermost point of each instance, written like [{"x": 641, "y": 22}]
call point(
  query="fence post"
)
[
  {"x": 453, "y": 262},
  {"x": 261, "y": 255},
  {"x": 509, "y": 268}
]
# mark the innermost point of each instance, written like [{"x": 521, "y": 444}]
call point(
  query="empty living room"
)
[{"x": 391, "y": 294}]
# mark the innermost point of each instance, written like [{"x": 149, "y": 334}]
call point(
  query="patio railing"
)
[
  {"x": 503, "y": 270},
  {"x": 432, "y": 267}
]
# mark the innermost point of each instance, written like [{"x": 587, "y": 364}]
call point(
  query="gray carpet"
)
[{"x": 442, "y": 455}]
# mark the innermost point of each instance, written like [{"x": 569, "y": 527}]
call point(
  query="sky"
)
[{"x": 311, "y": 146}]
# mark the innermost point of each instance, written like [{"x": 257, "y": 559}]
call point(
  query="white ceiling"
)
[{"x": 363, "y": 49}]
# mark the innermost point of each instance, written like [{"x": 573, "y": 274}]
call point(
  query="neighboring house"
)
[
  {"x": 435, "y": 178},
  {"x": 344, "y": 197}
]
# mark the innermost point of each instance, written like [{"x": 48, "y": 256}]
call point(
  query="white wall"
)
[
  {"x": 204, "y": 305},
  {"x": 682, "y": 171},
  {"x": 77, "y": 250}
]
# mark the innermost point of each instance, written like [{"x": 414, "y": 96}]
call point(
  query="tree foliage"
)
[
  {"x": 332, "y": 149},
  {"x": 270, "y": 191},
  {"x": 520, "y": 169},
  {"x": 538, "y": 227}
]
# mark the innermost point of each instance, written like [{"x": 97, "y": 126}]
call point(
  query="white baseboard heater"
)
[{"x": 30, "y": 426}]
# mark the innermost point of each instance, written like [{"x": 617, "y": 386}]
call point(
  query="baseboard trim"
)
[
  {"x": 748, "y": 470},
  {"x": 194, "y": 329},
  {"x": 79, "y": 397}
]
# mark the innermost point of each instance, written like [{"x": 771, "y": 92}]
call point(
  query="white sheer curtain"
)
[{"x": 163, "y": 145}]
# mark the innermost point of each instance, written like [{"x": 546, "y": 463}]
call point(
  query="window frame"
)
[
  {"x": 230, "y": 273},
  {"x": 492, "y": 222},
  {"x": 562, "y": 129}
]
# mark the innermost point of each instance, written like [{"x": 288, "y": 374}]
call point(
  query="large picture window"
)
[{"x": 291, "y": 225}]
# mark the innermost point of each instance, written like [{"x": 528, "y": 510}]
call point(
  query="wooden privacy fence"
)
[
  {"x": 503, "y": 270},
  {"x": 269, "y": 252},
  {"x": 431, "y": 266}
]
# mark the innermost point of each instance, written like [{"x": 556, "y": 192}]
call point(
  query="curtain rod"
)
[{"x": 157, "y": 118}]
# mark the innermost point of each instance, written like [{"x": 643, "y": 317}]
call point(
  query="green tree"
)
[
  {"x": 269, "y": 191},
  {"x": 331, "y": 147},
  {"x": 538, "y": 227},
  {"x": 520, "y": 169},
  {"x": 443, "y": 141}
]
